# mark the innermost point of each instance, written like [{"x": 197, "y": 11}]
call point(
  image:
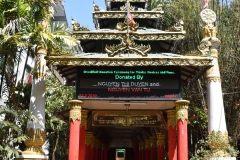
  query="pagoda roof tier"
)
[
  {"x": 122, "y": 14},
  {"x": 191, "y": 66},
  {"x": 141, "y": 35}
]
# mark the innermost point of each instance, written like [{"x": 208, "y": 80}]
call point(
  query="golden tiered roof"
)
[{"x": 122, "y": 50}]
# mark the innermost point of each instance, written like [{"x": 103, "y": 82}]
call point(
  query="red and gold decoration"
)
[
  {"x": 82, "y": 147},
  {"x": 161, "y": 145},
  {"x": 172, "y": 134},
  {"x": 74, "y": 120},
  {"x": 182, "y": 119}
]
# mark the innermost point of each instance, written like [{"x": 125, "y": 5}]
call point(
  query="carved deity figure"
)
[
  {"x": 204, "y": 47},
  {"x": 209, "y": 30}
]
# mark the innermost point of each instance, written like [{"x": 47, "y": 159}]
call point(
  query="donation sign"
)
[{"x": 128, "y": 83}]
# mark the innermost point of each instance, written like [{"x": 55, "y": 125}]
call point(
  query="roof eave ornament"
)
[{"x": 77, "y": 27}]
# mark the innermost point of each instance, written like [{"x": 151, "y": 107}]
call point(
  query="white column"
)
[
  {"x": 218, "y": 135},
  {"x": 36, "y": 129},
  {"x": 216, "y": 114}
]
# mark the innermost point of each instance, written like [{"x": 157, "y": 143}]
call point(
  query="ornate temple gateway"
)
[{"x": 128, "y": 79}]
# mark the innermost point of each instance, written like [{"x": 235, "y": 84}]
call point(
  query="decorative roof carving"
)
[
  {"x": 113, "y": 35},
  {"x": 97, "y": 8},
  {"x": 127, "y": 43},
  {"x": 78, "y": 27},
  {"x": 177, "y": 27},
  {"x": 122, "y": 26},
  {"x": 122, "y": 14},
  {"x": 124, "y": 8},
  {"x": 204, "y": 46},
  {"x": 126, "y": 61},
  {"x": 158, "y": 8}
]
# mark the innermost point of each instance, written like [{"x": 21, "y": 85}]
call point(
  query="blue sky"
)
[{"x": 81, "y": 10}]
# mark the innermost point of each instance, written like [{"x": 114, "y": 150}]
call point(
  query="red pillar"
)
[
  {"x": 153, "y": 148},
  {"x": 160, "y": 146},
  {"x": 172, "y": 135},
  {"x": 88, "y": 146},
  {"x": 182, "y": 120},
  {"x": 95, "y": 149},
  {"x": 74, "y": 118},
  {"x": 105, "y": 151},
  {"x": 143, "y": 150},
  {"x": 140, "y": 150},
  {"x": 82, "y": 145},
  {"x": 147, "y": 149}
]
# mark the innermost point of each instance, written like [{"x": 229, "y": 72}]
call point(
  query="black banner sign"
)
[{"x": 128, "y": 83}]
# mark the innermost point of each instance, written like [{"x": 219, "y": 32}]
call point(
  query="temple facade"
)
[{"x": 128, "y": 79}]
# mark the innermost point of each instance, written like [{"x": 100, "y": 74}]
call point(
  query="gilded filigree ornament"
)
[
  {"x": 84, "y": 115},
  {"x": 124, "y": 7},
  {"x": 113, "y": 35},
  {"x": 75, "y": 110},
  {"x": 218, "y": 142},
  {"x": 122, "y": 26},
  {"x": 127, "y": 44},
  {"x": 78, "y": 27},
  {"x": 147, "y": 143},
  {"x": 213, "y": 79},
  {"x": 182, "y": 110},
  {"x": 96, "y": 7},
  {"x": 89, "y": 139},
  {"x": 208, "y": 18},
  {"x": 152, "y": 142},
  {"x": 171, "y": 118},
  {"x": 122, "y": 14},
  {"x": 160, "y": 140},
  {"x": 204, "y": 46},
  {"x": 136, "y": 61},
  {"x": 209, "y": 30},
  {"x": 158, "y": 8},
  {"x": 178, "y": 27},
  {"x": 35, "y": 141},
  {"x": 40, "y": 63}
]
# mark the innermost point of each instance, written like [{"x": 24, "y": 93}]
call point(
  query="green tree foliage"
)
[
  {"x": 57, "y": 97},
  {"x": 24, "y": 24}
]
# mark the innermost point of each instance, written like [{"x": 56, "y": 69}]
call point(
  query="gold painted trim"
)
[
  {"x": 136, "y": 61},
  {"x": 127, "y": 44},
  {"x": 213, "y": 79},
  {"x": 152, "y": 142},
  {"x": 182, "y": 110},
  {"x": 122, "y": 14},
  {"x": 124, "y": 8},
  {"x": 116, "y": 35},
  {"x": 122, "y": 26},
  {"x": 89, "y": 139},
  {"x": 35, "y": 141},
  {"x": 171, "y": 115},
  {"x": 160, "y": 140},
  {"x": 40, "y": 63},
  {"x": 147, "y": 143},
  {"x": 75, "y": 110},
  {"x": 218, "y": 142},
  {"x": 84, "y": 115}
]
